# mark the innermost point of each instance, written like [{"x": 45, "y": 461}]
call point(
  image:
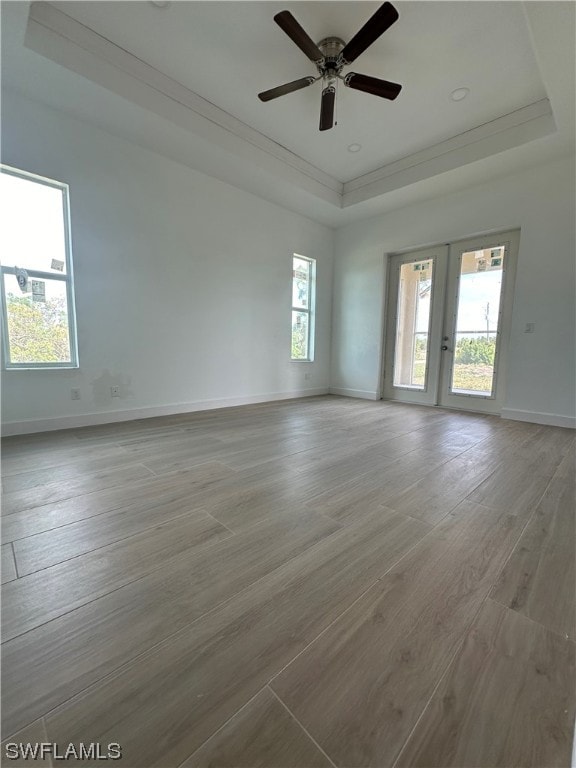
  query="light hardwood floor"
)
[{"x": 317, "y": 582}]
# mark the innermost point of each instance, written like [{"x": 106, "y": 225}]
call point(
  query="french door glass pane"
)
[
  {"x": 477, "y": 314},
  {"x": 300, "y": 335},
  {"x": 301, "y": 283},
  {"x": 413, "y": 324},
  {"x": 37, "y": 321}
]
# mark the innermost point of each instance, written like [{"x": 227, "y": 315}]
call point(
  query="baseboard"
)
[
  {"x": 110, "y": 417},
  {"x": 551, "y": 419},
  {"x": 361, "y": 393}
]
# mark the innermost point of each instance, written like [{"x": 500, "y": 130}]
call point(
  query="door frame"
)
[{"x": 464, "y": 402}]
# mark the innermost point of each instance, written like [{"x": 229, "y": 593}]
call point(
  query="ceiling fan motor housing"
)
[{"x": 332, "y": 64}]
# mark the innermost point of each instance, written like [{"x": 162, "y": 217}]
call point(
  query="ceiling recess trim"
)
[
  {"x": 66, "y": 41},
  {"x": 57, "y": 36},
  {"x": 511, "y": 130}
]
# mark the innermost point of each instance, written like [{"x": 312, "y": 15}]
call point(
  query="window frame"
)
[
  {"x": 310, "y": 310},
  {"x": 67, "y": 278}
]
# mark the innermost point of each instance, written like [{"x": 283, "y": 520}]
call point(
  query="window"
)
[
  {"x": 303, "y": 289},
  {"x": 37, "y": 286}
]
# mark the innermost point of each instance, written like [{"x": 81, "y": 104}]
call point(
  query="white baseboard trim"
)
[
  {"x": 110, "y": 417},
  {"x": 551, "y": 419},
  {"x": 361, "y": 393}
]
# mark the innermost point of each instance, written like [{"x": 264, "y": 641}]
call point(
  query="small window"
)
[
  {"x": 303, "y": 290},
  {"x": 39, "y": 329}
]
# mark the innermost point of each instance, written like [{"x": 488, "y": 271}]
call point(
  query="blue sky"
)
[{"x": 476, "y": 290}]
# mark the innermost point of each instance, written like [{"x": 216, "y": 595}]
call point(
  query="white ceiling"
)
[
  {"x": 508, "y": 55},
  {"x": 229, "y": 51}
]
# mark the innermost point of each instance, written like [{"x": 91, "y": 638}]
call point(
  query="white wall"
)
[
  {"x": 541, "y": 366},
  {"x": 182, "y": 281}
]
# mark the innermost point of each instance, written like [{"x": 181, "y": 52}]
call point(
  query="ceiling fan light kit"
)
[{"x": 330, "y": 56}]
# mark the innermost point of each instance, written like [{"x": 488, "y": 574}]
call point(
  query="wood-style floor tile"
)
[
  {"x": 390, "y": 477},
  {"x": 437, "y": 492},
  {"x": 240, "y": 457},
  {"x": 154, "y": 491},
  {"x": 174, "y": 571},
  {"x": 263, "y": 734},
  {"x": 24, "y": 461},
  {"x": 566, "y": 469},
  {"x": 545, "y": 450},
  {"x": 508, "y": 436},
  {"x": 73, "y": 468},
  {"x": 349, "y": 498},
  {"x": 142, "y": 614},
  {"x": 366, "y": 453},
  {"x": 448, "y": 443},
  {"x": 8, "y": 565},
  {"x": 360, "y": 688},
  {"x": 23, "y": 744},
  {"x": 162, "y": 460},
  {"x": 508, "y": 700},
  {"x": 42, "y": 596},
  {"x": 16, "y": 501},
  {"x": 516, "y": 487},
  {"x": 352, "y": 504},
  {"x": 173, "y": 698},
  {"x": 239, "y": 509},
  {"x": 51, "y": 547},
  {"x": 539, "y": 580},
  {"x": 20, "y": 445},
  {"x": 116, "y": 431}
]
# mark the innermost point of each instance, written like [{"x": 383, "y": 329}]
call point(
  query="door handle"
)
[{"x": 444, "y": 347}]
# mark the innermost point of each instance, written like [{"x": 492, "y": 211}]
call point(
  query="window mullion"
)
[{"x": 36, "y": 273}]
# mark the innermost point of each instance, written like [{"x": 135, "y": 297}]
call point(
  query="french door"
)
[{"x": 447, "y": 323}]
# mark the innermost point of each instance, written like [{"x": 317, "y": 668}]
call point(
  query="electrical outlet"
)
[
  {"x": 75, "y": 394},
  {"x": 115, "y": 391},
  {"x": 529, "y": 328}
]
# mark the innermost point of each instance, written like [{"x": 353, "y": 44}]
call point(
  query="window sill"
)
[{"x": 42, "y": 368}]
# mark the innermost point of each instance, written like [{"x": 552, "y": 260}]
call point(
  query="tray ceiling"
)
[
  {"x": 227, "y": 52},
  {"x": 200, "y": 65}
]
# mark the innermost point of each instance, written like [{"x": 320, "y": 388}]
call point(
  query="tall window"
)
[
  {"x": 303, "y": 290},
  {"x": 37, "y": 289}
]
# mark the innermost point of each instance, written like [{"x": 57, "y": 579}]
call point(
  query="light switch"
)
[{"x": 529, "y": 328}]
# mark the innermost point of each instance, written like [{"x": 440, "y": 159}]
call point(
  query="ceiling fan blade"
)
[
  {"x": 384, "y": 17},
  {"x": 372, "y": 85},
  {"x": 288, "y": 24},
  {"x": 282, "y": 90},
  {"x": 327, "y": 108}
]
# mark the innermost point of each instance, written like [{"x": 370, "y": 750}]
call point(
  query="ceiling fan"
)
[{"x": 331, "y": 55}]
